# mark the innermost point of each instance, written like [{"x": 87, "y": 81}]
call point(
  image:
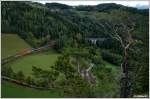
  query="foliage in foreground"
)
[{"x": 71, "y": 28}]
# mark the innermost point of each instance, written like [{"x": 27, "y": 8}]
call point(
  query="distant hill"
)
[
  {"x": 107, "y": 7},
  {"x": 21, "y": 18},
  {"x": 57, "y": 6}
]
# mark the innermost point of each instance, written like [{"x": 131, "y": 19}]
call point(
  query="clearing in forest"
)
[
  {"x": 11, "y": 44},
  {"x": 42, "y": 60}
]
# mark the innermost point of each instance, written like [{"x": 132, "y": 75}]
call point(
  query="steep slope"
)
[{"x": 61, "y": 23}]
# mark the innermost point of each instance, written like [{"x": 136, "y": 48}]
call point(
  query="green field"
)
[
  {"x": 10, "y": 90},
  {"x": 115, "y": 69},
  {"x": 43, "y": 60},
  {"x": 11, "y": 44}
]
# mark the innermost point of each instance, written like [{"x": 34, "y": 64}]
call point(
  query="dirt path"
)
[{"x": 85, "y": 73}]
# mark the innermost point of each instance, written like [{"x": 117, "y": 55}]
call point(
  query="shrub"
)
[
  {"x": 112, "y": 58},
  {"x": 60, "y": 81},
  {"x": 30, "y": 80},
  {"x": 20, "y": 76},
  {"x": 41, "y": 83},
  {"x": 7, "y": 71}
]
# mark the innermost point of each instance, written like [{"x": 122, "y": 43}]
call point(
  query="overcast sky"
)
[{"x": 126, "y": 3}]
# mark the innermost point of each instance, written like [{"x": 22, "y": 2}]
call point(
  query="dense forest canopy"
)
[{"x": 71, "y": 27}]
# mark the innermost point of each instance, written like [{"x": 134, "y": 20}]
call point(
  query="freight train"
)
[
  {"x": 29, "y": 51},
  {"x": 25, "y": 52}
]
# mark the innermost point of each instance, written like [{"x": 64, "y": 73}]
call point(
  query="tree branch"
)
[
  {"x": 90, "y": 67},
  {"x": 138, "y": 71}
]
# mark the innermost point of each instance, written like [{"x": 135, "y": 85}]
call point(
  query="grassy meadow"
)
[
  {"x": 11, "y": 44},
  {"x": 42, "y": 60},
  {"x": 115, "y": 69},
  {"x": 10, "y": 90}
]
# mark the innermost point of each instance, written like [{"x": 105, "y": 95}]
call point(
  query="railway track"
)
[
  {"x": 26, "y": 52},
  {"x": 21, "y": 54}
]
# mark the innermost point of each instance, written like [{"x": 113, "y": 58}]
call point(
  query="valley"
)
[{"x": 56, "y": 50}]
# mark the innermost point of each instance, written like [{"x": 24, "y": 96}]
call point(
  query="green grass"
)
[
  {"x": 11, "y": 44},
  {"x": 10, "y": 90},
  {"x": 107, "y": 85},
  {"x": 42, "y": 60},
  {"x": 115, "y": 69}
]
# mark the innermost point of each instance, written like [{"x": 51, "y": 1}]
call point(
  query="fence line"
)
[{"x": 24, "y": 84}]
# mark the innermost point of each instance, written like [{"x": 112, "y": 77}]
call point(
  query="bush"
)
[
  {"x": 78, "y": 87},
  {"x": 112, "y": 58},
  {"x": 97, "y": 59},
  {"x": 44, "y": 78},
  {"x": 20, "y": 76},
  {"x": 41, "y": 83},
  {"x": 30, "y": 80},
  {"x": 7, "y": 71},
  {"x": 60, "y": 81}
]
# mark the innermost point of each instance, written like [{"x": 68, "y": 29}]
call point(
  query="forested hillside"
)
[{"x": 71, "y": 27}]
